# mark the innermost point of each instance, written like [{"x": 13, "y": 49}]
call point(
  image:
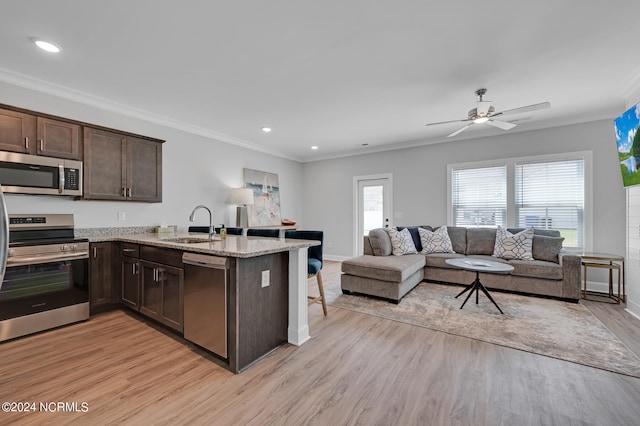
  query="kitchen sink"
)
[{"x": 189, "y": 240}]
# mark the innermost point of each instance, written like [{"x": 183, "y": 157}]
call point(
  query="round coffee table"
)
[{"x": 478, "y": 265}]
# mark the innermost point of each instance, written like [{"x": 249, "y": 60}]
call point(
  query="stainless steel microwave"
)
[{"x": 35, "y": 174}]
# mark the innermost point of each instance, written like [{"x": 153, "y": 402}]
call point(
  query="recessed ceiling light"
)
[
  {"x": 47, "y": 45},
  {"x": 266, "y": 129},
  {"x": 314, "y": 147}
]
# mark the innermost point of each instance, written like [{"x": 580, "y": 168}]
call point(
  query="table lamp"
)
[{"x": 242, "y": 197}]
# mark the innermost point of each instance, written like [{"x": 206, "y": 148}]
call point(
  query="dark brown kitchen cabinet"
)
[
  {"x": 101, "y": 277},
  {"x": 161, "y": 293},
  {"x": 17, "y": 131},
  {"x": 32, "y": 134},
  {"x": 121, "y": 167},
  {"x": 58, "y": 139},
  {"x": 130, "y": 268}
]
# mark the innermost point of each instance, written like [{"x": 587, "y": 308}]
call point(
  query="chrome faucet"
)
[{"x": 193, "y": 214}]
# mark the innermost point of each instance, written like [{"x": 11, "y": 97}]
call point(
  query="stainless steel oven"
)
[{"x": 46, "y": 282}]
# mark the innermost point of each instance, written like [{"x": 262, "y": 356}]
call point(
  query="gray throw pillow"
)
[
  {"x": 380, "y": 242},
  {"x": 547, "y": 248}
]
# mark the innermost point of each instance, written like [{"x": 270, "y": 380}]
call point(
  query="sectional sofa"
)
[{"x": 553, "y": 272}]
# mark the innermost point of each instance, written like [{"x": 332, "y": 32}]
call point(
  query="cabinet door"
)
[
  {"x": 150, "y": 289},
  {"x": 130, "y": 282},
  {"x": 58, "y": 139},
  {"x": 17, "y": 131},
  {"x": 144, "y": 170},
  {"x": 104, "y": 165},
  {"x": 100, "y": 274},
  {"x": 172, "y": 296}
]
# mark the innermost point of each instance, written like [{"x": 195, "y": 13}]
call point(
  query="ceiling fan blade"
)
[
  {"x": 460, "y": 130},
  {"x": 483, "y": 108},
  {"x": 501, "y": 124},
  {"x": 534, "y": 107},
  {"x": 445, "y": 122}
]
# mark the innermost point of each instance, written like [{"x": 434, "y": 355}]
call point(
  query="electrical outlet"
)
[
  {"x": 266, "y": 278},
  {"x": 122, "y": 216}
]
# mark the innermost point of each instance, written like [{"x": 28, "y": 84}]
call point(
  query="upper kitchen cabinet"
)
[
  {"x": 17, "y": 131},
  {"x": 32, "y": 134},
  {"x": 58, "y": 139},
  {"x": 119, "y": 166}
]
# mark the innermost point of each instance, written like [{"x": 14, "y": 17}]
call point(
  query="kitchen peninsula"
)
[{"x": 265, "y": 289}]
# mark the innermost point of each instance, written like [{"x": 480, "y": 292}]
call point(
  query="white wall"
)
[
  {"x": 420, "y": 178},
  {"x": 196, "y": 170}
]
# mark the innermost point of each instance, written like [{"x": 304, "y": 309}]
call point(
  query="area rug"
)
[{"x": 567, "y": 331}]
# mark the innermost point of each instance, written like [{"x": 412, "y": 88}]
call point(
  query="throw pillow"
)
[
  {"x": 546, "y": 248},
  {"x": 401, "y": 242},
  {"x": 510, "y": 246},
  {"x": 435, "y": 242}
]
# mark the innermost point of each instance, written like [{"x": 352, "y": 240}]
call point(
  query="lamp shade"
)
[{"x": 242, "y": 196}]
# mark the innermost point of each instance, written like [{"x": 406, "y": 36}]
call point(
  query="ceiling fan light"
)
[{"x": 481, "y": 120}]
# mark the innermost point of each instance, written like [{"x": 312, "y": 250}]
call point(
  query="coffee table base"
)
[{"x": 477, "y": 286}]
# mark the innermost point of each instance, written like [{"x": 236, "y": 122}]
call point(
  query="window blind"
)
[
  {"x": 550, "y": 195},
  {"x": 479, "y": 196}
]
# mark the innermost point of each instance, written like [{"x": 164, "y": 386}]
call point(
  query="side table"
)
[{"x": 605, "y": 261}]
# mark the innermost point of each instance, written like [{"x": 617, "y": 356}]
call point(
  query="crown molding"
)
[{"x": 42, "y": 86}]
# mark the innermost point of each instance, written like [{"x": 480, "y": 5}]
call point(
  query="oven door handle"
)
[{"x": 47, "y": 258}]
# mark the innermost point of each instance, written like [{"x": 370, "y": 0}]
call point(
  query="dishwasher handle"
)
[{"x": 205, "y": 261}]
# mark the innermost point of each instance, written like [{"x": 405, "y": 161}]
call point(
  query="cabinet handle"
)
[
  {"x": 26, "y": 143},
  {"x": 124, "y": 191},
  {"x": 95, "y": 252},
  {"x": 41, "y": 145},
  {"x": 133, "y": 269},
  {"x": 155, "y": 274},
  {"x": 129, "y": 191},
  {"x": 128, "y": 250}
]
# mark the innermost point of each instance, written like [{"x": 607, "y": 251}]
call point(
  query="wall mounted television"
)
[{"x": 628, "y": 143}]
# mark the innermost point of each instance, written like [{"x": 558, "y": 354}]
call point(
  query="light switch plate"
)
[{"x": 266, "y": 278}]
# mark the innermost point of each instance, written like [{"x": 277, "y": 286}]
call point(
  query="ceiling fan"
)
[{"x": 485, "y": 113}]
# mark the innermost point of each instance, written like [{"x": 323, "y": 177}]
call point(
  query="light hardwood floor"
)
[{"x": 356, "y": 369}]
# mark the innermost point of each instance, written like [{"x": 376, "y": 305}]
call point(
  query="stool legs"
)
[{"x": 320, "y": 298}]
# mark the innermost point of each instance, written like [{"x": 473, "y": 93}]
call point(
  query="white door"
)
[{"x": 373, "y": 206}]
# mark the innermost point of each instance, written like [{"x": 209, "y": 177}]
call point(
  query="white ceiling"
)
[{"x": 331, "y": 73}]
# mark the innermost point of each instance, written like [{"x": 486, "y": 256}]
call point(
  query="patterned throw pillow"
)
[
  {"x": 510, "y": 246},
  {"x": 401, "y": 242},
  {"x": 435, "y": 242}
]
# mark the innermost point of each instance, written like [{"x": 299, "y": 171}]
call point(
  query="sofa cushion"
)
[
  {"x": 380, "y": 242},
  {"x": 401, "y": 242},
  {"x": 415, "y": 236},
  {"x": 438, "y": 260},
  {"x": 510, "y": 246},
  {"x": 435, "y": 242},
  {"x": 480, "y": 241},
  {"x": 387, "y": 268},
  {"x": 536, "y": 269},
  {"x": 547, "y": 248},
  {"x": 537, "y": 231}
]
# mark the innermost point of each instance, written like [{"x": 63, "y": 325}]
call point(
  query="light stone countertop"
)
[{"x": 232, "y": 246}]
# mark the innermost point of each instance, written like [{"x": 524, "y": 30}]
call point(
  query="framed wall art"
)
[{"x": 265, "y": 210}]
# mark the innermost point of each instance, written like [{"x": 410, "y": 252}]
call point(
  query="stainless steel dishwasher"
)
[{"x": 205, "y": 301}]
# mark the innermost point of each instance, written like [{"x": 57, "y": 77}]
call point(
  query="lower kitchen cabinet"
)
[
  {"x": 102, "y": 278},
  {"x": 130, "y": 295},
  {"x": 161, "y": 293}
]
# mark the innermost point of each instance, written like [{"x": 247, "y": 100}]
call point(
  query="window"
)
[
  {"x": 479, "y": 196},
  {"x": 551, "y": 196},
  {"x": 548, "y": 192}
]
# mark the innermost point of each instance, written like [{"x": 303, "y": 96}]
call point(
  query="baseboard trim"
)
[{"x": 336, "y": 258}]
